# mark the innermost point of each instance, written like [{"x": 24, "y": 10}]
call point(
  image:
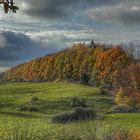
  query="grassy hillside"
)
[{"x": 54, "y": 98}]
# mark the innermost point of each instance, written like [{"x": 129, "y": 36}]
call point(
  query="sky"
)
[{"x": 41, "y": 27}]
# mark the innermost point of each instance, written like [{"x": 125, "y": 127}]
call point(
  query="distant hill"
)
[{"x": 95, "y": 64}]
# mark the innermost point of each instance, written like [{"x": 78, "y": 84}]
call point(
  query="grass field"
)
[{"x": 54, "y": 98}]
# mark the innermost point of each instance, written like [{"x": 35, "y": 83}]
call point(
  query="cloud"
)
[
  {"x": 3, "y": 69},
  {"x": 127, "y": 14},
  {"x": 56, "y": 9},
  {"x": 64, "y": 36},
  {"x": 16, "y": 48},
  {"x": 125, "y": 11}
]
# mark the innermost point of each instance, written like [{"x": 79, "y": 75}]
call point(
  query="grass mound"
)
[
  {"x": 33, "y": 105},
  {"x": 77, "y": 102},
  {"x": 77, "y": 115}
]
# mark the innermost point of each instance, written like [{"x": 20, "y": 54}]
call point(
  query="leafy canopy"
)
[{"x": 9, "y": 5}]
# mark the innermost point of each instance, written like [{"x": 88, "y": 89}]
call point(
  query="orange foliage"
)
[
  {"x": 109, "y": 63},
  {"x": 67, "y": 64},
  {"x": 71, "y": 64},
  {"x": 134, "y": 134},
  {"x": 129, "y": 80}
]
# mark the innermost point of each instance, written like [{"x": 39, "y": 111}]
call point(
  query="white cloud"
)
[
  {"x": 3, "y": 69},
  {"x": 65, "y": 37}
]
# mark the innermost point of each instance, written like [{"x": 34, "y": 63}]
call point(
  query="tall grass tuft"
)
[{"x": 87, "y": 131}]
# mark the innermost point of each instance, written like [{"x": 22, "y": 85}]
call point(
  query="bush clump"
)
[
  {"x": 77, "y": 115},
  {"x": 77, "y": 102}
]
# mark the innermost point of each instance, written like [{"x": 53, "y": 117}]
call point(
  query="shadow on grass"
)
[
  {"x": 19, "y": 114},
  {"x": 44, "y": 106},
  {"x": 92, "y": 94},
  {"x": 58, "y": 104},
  {"x": 6, "y": 104},
  {"x": 106, "y": 101}
]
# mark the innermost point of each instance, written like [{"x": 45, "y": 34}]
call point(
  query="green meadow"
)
[{"x": 54, "y": 98}]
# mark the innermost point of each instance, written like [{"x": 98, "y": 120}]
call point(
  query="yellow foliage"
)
[{"x": 121, "y": 98}]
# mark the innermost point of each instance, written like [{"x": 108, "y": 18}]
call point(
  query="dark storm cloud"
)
[
  {"x": 62, "y": 9},
  {"x": 16, "y": 48}
]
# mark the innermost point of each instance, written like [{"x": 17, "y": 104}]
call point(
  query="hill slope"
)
[
  {"x": 95, "y": 64},
  {"x": 54, "y": 98}
]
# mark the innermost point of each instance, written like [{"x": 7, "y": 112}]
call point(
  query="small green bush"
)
[
  {"x": 77, "y": 102},
  {"x": 77, "y": 115}
]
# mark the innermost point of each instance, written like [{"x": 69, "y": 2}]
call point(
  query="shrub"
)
[
  {"x": 77, "y": 115},
  {"x": 121, "y": 98},
  {"x": 76, "y": 102},
  {"x": 85, "y": 113}
]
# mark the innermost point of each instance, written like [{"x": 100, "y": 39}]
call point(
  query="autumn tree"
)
[
  {"x": 95, "y": 65},
  {"x": 108, "y": 65},
  {"x": 129, "y": 80},
  {"x": 9, "y": 5}
]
